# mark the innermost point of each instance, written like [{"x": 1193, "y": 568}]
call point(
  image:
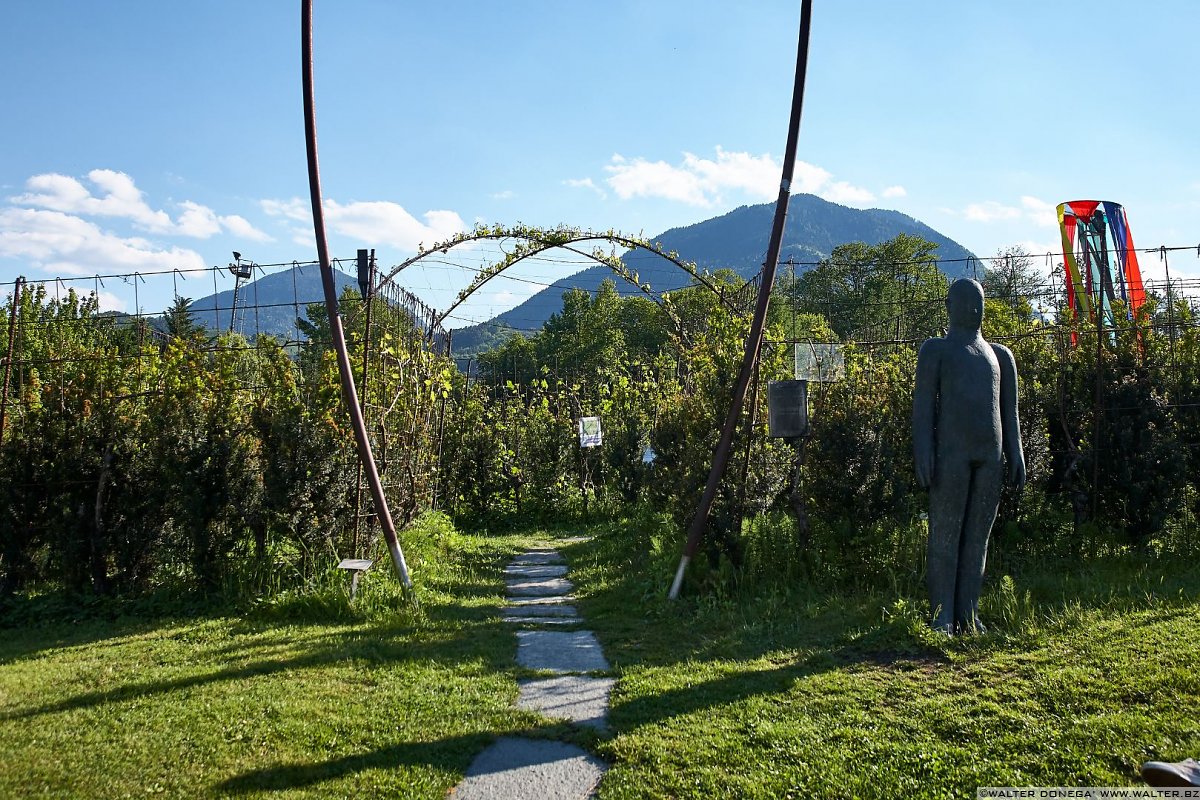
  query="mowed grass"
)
[
  {"x": 761, "y": 693},
  {"x": 1085, "y": 674},
  {"x": 309, "y": 699}
]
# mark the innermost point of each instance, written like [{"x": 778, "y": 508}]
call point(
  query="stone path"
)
[{"x": 540, "y": 602}]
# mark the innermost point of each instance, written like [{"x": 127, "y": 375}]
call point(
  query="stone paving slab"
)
[
  {"x": 537, "y": 570},
  {"x": 580, "y": 699},
  {"x": 542, "y": 610},
  {"x": 538, "y": 601},
  {"x": 541, "y": 587},
  {"x": 560, "y": 651},
  {"x": 543, "y": 557},
  {"x": 512, "y": 769}
]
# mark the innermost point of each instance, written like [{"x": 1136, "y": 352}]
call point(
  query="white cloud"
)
[
  {"x": 757, "y": 176},
  {"x": 642, "y": 178},
  {"x": 110, "y": 302},
  {"x": 118, "y": 197},
  {"x": 304, "y": 237},
  {"x": 375, "y": 222},
  {"x": 297, "y": 216},
  {"x": 990, "y": 211},
  {"x": 239, "y": 226},
  {"x": 895, "y": 191},
  {"x": 586, "y": 183},
  {"x": 703, "y": 181},
  {"x": 61, "y": 243},
  {"x": 198, "y": 221},
  {"x": 1031, "y": 209},
  {"x": 844, "y": 193},
  {"x": 1040, "y": 212},
  {"x": 201, "y": 222},
  {"x": 507, "y": 194},
  {"x": 809, "y": 178},
  {"x": 296, "y": 208}
]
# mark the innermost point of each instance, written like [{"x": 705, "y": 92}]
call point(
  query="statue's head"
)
[{"x": 964, "y": 304}]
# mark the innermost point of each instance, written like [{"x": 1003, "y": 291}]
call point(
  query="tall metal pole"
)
[
  {"x": 12, "y": 338},
  {"x": 349, "y": 394},
  {"x": 237, "y": 284},
  {"x": 1098, "y": 400},
  {"x": 366, "y": 277},
  {"x": 754, "y": 340},
  {"x": 1162, "y": 254},
  {"x": 437, "y": 476}
]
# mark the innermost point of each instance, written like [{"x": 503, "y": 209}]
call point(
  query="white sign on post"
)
[
  {"x": 590, "y": 434},
  {"x": 819, "y": 362}
]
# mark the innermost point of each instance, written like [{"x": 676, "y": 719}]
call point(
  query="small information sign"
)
[
  {"x": 816, "y": 361},
  {"x": 356, "y": 567},
  {"x": 590, "y": 434}
]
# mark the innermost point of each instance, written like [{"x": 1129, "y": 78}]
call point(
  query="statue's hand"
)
[
  {"x": 1016, "y": 471},
  {"x": 924, "y": 464}
]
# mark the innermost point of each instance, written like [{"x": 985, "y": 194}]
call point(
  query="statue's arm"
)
[
  {"x": 929, "y": 362},
  {"x": 1009, "y": 418}
]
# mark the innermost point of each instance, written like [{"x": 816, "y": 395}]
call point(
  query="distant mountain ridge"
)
[
  {"x": 270, "y": 304},
  {"x": 736, "y": 240}
]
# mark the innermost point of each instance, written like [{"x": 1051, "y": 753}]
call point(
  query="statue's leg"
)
[
  {"x": 981, "y": 513},
  {"x": 947, "y": 508}
]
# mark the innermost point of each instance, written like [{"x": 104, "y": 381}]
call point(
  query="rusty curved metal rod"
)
[
  {"x": 754, "y": 339},
  {"x": 349, "y": 393}
]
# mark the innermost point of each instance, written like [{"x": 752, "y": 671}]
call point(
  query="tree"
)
[
  {"x": 586, "y": 337},
  {"x": 875, "y": 292},
  {"x": 1015, "y": 279},
  {"x": 178, "y": 319}
]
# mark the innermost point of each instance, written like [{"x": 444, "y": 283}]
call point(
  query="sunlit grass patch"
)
[
  {"x": 792, "y": 690},
  {"x": 305, "y": 694}
]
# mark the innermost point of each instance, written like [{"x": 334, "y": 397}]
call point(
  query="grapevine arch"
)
[{"x": 532, "y": 241}]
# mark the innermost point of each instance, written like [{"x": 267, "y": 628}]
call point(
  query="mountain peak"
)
[{"x": 735, "y": 240}]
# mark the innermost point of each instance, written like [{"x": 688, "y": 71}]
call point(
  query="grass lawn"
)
[
  {"x": 793, "y": 694},
  {"x": 382, "y": 702},
  {"x": 772, "y": 694}
]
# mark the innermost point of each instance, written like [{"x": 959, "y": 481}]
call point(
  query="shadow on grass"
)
[
  {"x": 33, "y": 625},
  {"x": 452, "y": 754},
  {"x": 58, "y": 622},
  {"x": 21, "y": 645},
  {"x": 447, "y": 632},
  {"x": 875, "y": 649},
  {"x": 805, "y": 631},
  {"x": 379, "y": 644}
]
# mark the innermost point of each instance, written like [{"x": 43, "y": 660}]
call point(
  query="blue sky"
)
[{"x": 143, "y": 136}]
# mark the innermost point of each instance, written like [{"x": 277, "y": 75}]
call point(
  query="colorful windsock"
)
[{"x": 1099, "y": 258}]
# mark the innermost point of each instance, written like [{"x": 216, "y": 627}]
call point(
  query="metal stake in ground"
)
[
  {"x": 754, "y": 340},
  {"x": 349, "y": 394}
]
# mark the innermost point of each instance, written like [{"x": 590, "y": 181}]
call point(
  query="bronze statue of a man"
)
[{"x": 964, "y": 427}]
